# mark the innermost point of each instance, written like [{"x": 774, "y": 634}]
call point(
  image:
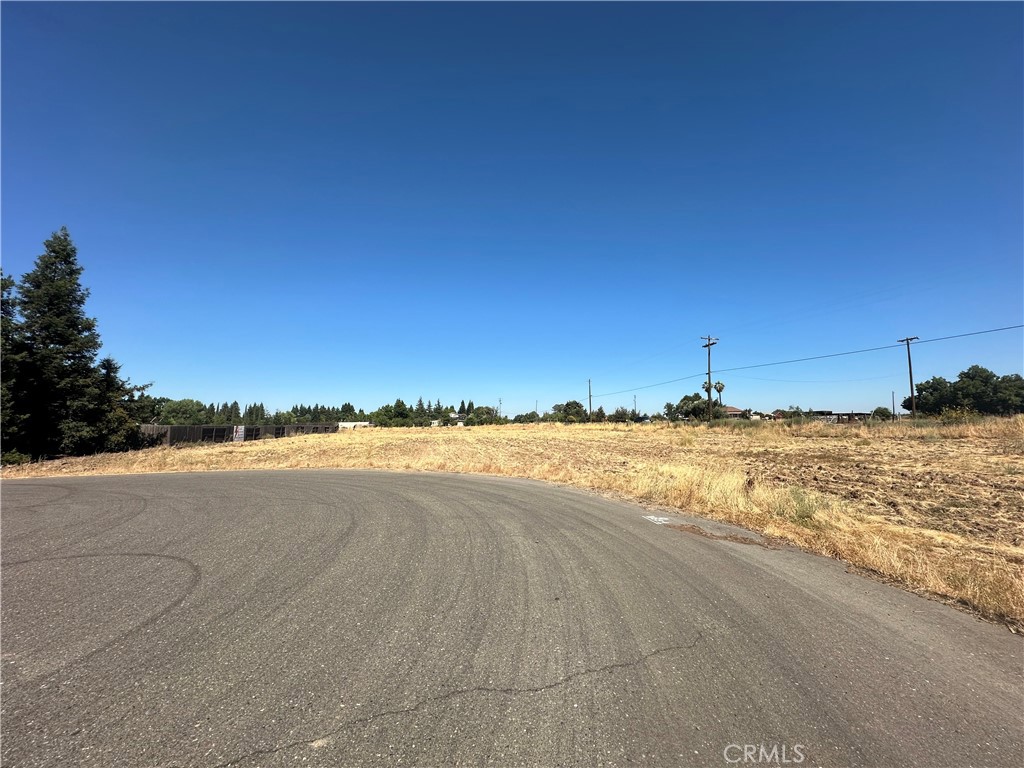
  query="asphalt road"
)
[{"x": 334, "y": 618}]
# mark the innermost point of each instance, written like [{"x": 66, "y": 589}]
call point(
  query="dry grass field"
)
[{"x": 938, "y": 509}]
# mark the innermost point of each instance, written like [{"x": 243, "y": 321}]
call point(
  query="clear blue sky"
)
[{"x": 357, "y": 202}]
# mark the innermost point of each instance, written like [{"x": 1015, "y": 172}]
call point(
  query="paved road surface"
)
[{"x": 334, "y": 618}]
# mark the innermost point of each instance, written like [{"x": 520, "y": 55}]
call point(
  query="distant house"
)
[{"x": 732, "y": 412}]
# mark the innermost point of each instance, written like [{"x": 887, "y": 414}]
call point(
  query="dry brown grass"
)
[{"x": 936, "y": 508}]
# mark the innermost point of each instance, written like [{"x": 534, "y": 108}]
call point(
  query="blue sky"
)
[{"x": 358, "y": 202}]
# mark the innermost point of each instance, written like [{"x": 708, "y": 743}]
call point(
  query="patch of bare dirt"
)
[{"x": 972, "y": 488}]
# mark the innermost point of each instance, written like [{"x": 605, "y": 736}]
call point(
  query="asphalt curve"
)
[{"x": 335, "y": 618}]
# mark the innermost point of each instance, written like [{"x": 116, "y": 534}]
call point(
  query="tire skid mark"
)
[
  {"x": 107, "y": 523},
  {"x": 193, "y": 583},
  {"x": 320, "y": 740},
  {"x": 334, "y": 547},
  {"x": 65, "y": 491}
]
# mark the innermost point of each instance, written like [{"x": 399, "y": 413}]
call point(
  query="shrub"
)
[
  {"x": 959, "y": 415},
  {"x": 14, "y": 457}
]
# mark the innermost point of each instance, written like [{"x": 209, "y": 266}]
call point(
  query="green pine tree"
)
[{"x": 60, "y": 400}]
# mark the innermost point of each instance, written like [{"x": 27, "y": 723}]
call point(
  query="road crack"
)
[{"x": 320, "y": 739}]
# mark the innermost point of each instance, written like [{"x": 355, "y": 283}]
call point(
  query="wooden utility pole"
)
[
  {"x": 590, "y": 401},
  {"x": 910, "y": 368},
  {"x": 710, "y": 343}
]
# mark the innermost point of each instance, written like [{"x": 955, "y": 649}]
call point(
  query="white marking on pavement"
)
[{"x": 658, "y": 520}]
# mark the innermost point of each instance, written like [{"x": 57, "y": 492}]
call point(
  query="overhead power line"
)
[
  {"x": 974, "y": 333},
  {"x": 652, "y": 386},
  {"x": 805, "y": 359},
  {"x": 808, "y": 359},
  {"x": 817, "y": 381}
]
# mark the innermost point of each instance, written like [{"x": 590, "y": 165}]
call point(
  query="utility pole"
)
[
  {"x": 710, "y": 343},
  {"x": 635, "y": 414},
  {"x": 590, "y": 401},
  {"x": 910, "y": 367},
  {"x": 893, "y": 406},
  {"x": 499, "y": 407}
]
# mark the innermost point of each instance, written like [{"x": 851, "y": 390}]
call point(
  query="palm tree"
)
[{"x": 719, "y": 386}]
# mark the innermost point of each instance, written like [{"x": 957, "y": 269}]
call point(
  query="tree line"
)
[
  {"x": 162, "y": 410},
  {"x": 976, "y": 390}
]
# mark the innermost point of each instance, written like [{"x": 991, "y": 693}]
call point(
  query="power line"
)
[
  {"x": 815, "y": 357},
  {"x": 816, "y": 381},
  {"x": 975, "y": 333},
  {"x": 651, "y": 386},
  {"x": 805, "y": 359}
]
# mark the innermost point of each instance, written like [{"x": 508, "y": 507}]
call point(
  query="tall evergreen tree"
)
[
  {"x": 56, "y": 398},
  {"x": 61, "y": 346}
]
